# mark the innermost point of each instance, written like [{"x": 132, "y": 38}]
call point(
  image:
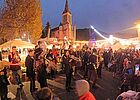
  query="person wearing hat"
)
[
  {"x": 30, "y": 71},
  {"x": 82, "y": 89}
]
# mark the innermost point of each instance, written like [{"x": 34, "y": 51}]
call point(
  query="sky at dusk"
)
[{"x": 107, "y": 15}]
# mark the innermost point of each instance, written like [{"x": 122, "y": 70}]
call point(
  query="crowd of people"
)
[
  {"x": 42, "y": 64},
  {"x": 125, "y": 64}
]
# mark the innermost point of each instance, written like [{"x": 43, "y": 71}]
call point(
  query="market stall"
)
[
  {"x": 22, "y": 47},
  {"x": 18, "y": 43}
]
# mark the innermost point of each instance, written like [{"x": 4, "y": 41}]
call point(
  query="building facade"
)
[{"x": 65, "y": 28}]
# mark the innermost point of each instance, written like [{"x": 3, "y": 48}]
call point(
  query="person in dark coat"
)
[
  {"x": 72, "y": 53},
  {"x": 106, "y": 59},
  {"x": 42, "y": 76},
  {"x": 40, "y": 65},
  {"x": 41, "y": 71},
  {"x": 4, "y": 85},
  {"x": 82, "y": 59},
  {"x": 30, "y": 71},
  {"x": 68, "y": 69},
  {"x": 86, "y": 61},
  {"x": 73, "y": 62},
  {"x": 3, "y": 82},
  {"x": 79, "y": 58},
  {"x": 92, "y": 75},
  {"x": 62, "y": 64},
  {"x": 50, "y": 56},
  {"x": 100, "y": 64}
]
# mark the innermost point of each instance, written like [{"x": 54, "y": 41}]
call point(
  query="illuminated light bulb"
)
[{"x": 138, "y": 26}]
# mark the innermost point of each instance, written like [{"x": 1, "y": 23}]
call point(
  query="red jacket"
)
[
  {"x": 87, "y": 96},
  {"x": 14, "y": 63},
  {"x": 54, "y": 52}
]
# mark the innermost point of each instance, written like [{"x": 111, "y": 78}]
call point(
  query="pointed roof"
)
[
  {"x": 66, "y": 8},
  {"x": 60, "y": 24},
  {"x": 48, "y": 24}
]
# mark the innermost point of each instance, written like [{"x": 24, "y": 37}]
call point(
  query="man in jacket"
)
[
  {"x": 86, "y": 61},
  {"x": 92, "y": 65},
  {"x": 30, "y": 72},
  {"x": 68, "y": 70},
  {"x": 14, "y": 60}
]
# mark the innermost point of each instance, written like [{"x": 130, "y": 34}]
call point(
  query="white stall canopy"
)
[{"x": 18, "y": 43}]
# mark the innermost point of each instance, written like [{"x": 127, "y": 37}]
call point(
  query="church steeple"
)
[
  {"x": 66, "y": 8},
  {"x": 66, "y": 15},
  {"x": 67, "y": 21}
]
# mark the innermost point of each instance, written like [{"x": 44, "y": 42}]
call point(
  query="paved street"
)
[{"x": 107, "y": 88}]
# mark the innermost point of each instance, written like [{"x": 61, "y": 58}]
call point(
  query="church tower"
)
[{"x": 67, "y": 22}]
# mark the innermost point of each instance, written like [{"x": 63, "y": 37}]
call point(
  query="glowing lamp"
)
[
  {"x": 138, "y": 26},
  {"x": 24, "y": 34}
]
